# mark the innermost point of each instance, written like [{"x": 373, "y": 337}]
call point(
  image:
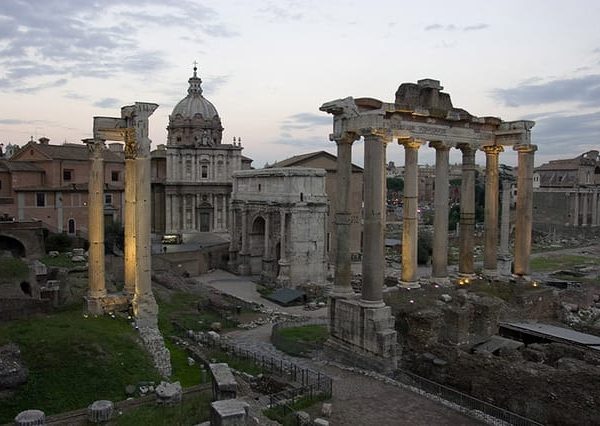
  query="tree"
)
[{"x": 395, "y": 184}]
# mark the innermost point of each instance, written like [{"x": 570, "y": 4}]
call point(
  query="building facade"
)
[
  {"x": 193, "y": 173},
  {"x": 328, "y": 162}
]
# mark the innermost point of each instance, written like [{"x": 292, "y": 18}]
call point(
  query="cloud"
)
[
  {"x": 310, "y": 142},
  {"x": 48, "y": 85},
  {"x": 583, "y": 90},
  {"x": 305, "y": 120},
  {"x": 73, "y": 38},
  {"x": 19, "y": 122},
  {"x": 453, "y": 27},
  {"x": 275, "y": 13},
  {"x": 108, "y": 103},
  {"x": 213, "y": 84},
  {"x": 564, "y": 134}
]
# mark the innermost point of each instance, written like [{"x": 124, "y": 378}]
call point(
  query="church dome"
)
[{"x": 194, "y": 103}]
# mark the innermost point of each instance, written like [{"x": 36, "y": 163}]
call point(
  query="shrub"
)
[{"x": 58, "y": 242}]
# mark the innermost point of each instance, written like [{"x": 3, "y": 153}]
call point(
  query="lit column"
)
[
  {"x": 97, "y": 286},
  {"x": 490, "y": 254},
  {"x": 410, "y": 213},
  {"x": 283, "y": 279},
  {"x": 524, "y": 208},
  {"x": 439, "y": 271},
  {"x": 343, "y": 272},
  {"x": 130, "y": 256},
  {"x": 467, "y": 210},
  {"x": 373, "y": 261}
]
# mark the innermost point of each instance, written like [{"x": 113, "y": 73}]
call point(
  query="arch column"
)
[
  {"x": 467, "y": 211},
  {"x": 373, "y": 262},
  {"x": 96, "y": 272},
  {"x": 410, "y": 213},
  {"x": 490, "y": 254},
  {"x": 524, "y": 208},
  {"x": 283, "y": 279},
  {"x": 439, "y": 271},
  {"x": 343, "y": 268}
]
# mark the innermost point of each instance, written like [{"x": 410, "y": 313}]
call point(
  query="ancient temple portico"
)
[{"x": 362, "y": 327}]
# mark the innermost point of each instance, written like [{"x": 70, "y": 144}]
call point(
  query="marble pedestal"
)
[
  {"x": 362, "y": 335},
  {"x": 505, "y": 265}
]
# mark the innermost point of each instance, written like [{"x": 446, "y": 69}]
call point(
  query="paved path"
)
[{"x": 357, "y": 399}]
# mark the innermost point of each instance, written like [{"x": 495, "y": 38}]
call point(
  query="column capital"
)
[
  {"x": 409, "y": 143},
  {"x": 492, "y": 149},
  {"x": 344, "y": 138},
  {"x": 525, "y": 148},
  {"x": 375, "y": 132},
  {"x": 131, "y": 145},
  {"x": 95, "y": 147},
  {"x": 467, "y": 148},
  {"x": 439, "y": 145}
]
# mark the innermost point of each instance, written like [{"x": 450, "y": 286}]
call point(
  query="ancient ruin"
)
[{"x": 362, "y": 328}]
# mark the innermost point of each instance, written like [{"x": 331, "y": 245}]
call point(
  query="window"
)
[
  {"x": 40, "y": 199},
  {"x": 108, "y": 199},
  {"x": 114, "y": 176},
  {"x": 71, "y": 226},
  {"x": 204, "y": 172},
  {"x": 67, "y": 174}
]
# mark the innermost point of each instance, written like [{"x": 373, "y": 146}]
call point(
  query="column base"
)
[
  {"x": 94, "y": 305},
  {"x": 408, "y": 284},
  {"x": 362, "y": 336},
  {"x": 345, "y": 292},
  {"x": 468, "y": 275},
  {"x": 371, "y": 303},
  {"x": 283, "y": 279},
  {"x": 521, "y": 279},
  {"x": 505, "y": 265}
]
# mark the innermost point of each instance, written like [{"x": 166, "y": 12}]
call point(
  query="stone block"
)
[
  {"x": 326, "y": 409},
  {"x": 30, "y": 418},
  {"x": 320, "y": 422},
  {"x": 100, "y": 411},
  {"x": 302, "y": 418},
  {"x": 230, "y": 412},
  {"x": 169, "y": 393},
  {"x": 224, "y": 384},
  {"x": 78, "y": 259},
  {"x": 78, "y": 252}
]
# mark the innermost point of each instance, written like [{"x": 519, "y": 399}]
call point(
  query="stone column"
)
[
  {"x": 584, "y": 209},
  {"x": 524, "y": 208},
  {"x": 244, "y": 267},
  {"x": 576, "y": 208},
  {"x": 267, "y": 262},
  {"x": 97, "y": 285},
  {"x": 439, "y": 270},
  {"x": 214, "y": 199},
  {"x": 343, "y": 270},
  {"x": 233, "y": 244},
  {"x": 168, "y": 220},
  {"x": 129, "y": 225},
  {"x": 595, "y": 207},
  {"x": 490, "y": 254},
  {"x": 504, "y": 257},
  {"x": 410, "y": 213},
  {"x": 373, "y": 262},
  {"x": 283, "y": 279},
  {"x": 467, "y": 211}
]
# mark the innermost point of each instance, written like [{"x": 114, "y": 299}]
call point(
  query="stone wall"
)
[{"x": 11, "y": 309}]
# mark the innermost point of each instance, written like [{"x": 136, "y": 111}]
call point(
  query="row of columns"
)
[
  {"x": 177, "y": 206},
  {"x": 583, "y": 205},
  {"x": 374, "y": 212}
]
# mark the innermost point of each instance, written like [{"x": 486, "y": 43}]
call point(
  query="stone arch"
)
[
  {"x": 256, "y": 240},
  {"x": 71, "y": 226},
  {"x": 15, "y": 246}
]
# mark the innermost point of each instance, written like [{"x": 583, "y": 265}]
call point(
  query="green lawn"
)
[
  {"x": 73, "y": 361},
  {"x": 554, "y": 262},
  {"x": 298, "y": 341},
  {"x": 62, "y": 261},
  {"x": 191, "y": 411}
]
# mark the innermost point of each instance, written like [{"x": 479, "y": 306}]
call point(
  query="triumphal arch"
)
[{"x": 362, "y": 327}]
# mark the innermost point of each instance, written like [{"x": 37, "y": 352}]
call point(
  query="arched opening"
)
[
  {"x": 71, "y": 226},
  {"x": 13, "y": 245},
  {"x": 26, "y": 288},
  {"x": 257, "y": 245}
]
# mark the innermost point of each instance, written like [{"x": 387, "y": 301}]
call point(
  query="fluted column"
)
[
  {"x": 467, "y": 210},
  {"x": 490, "y": 253},
  {"x": 410, "y": 213},
  {"x": 373, "y": 262},
  {"x": 129, "y": 251},
  {"x": 97, "y": 285},
  {"x": 439, "y": 271},
  {"x": 343, "y": 272},
  {"x": 524, "y": 208}
]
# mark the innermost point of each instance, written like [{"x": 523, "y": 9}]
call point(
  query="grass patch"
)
[
  {"x": 13, "y": 268},
  {"x": 264, "y": 291},
  {"x": 74, "y": 361},
  {"x": 298, "y": 341},
  {"x": 181, "y": 371},
  {"x": 287, "y": 418},
  {"x": 501, "y": 290},
  {"x": 191, "y": 411},
  {"x": 60, "y": 261},
  {"x": 551, "y": 263}
]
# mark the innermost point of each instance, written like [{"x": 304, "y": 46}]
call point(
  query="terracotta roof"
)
[
  {"x": 76, "y": 152},
  {"x": 297, "y": 159}
]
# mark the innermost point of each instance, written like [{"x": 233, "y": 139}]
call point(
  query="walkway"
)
[{"x": 357, "y": 399}]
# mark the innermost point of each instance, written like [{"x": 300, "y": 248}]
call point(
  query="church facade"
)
[{"x": 192, "y": 175}]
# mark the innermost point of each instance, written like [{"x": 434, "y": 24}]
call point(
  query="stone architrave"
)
[
  {"x": 490, "y": 253},
  {"x": 97, "y": 285},
  {"x": 467, "y": 211},
  {"x": 343, "y": 272},
  {"x": 524, "y": 208},
  {"x": 410, "y": 213},
  {"x": 439, "y": 267},
  {"x": 373, "y": 262}
]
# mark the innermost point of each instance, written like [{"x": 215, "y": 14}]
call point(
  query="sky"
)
[{"x": 267, "y": 66}]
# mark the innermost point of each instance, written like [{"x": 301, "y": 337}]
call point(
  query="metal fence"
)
[{"x": 495, "y": 415}]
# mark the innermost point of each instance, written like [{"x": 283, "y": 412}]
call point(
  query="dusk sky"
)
[{"x": 267, "y": 66}]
